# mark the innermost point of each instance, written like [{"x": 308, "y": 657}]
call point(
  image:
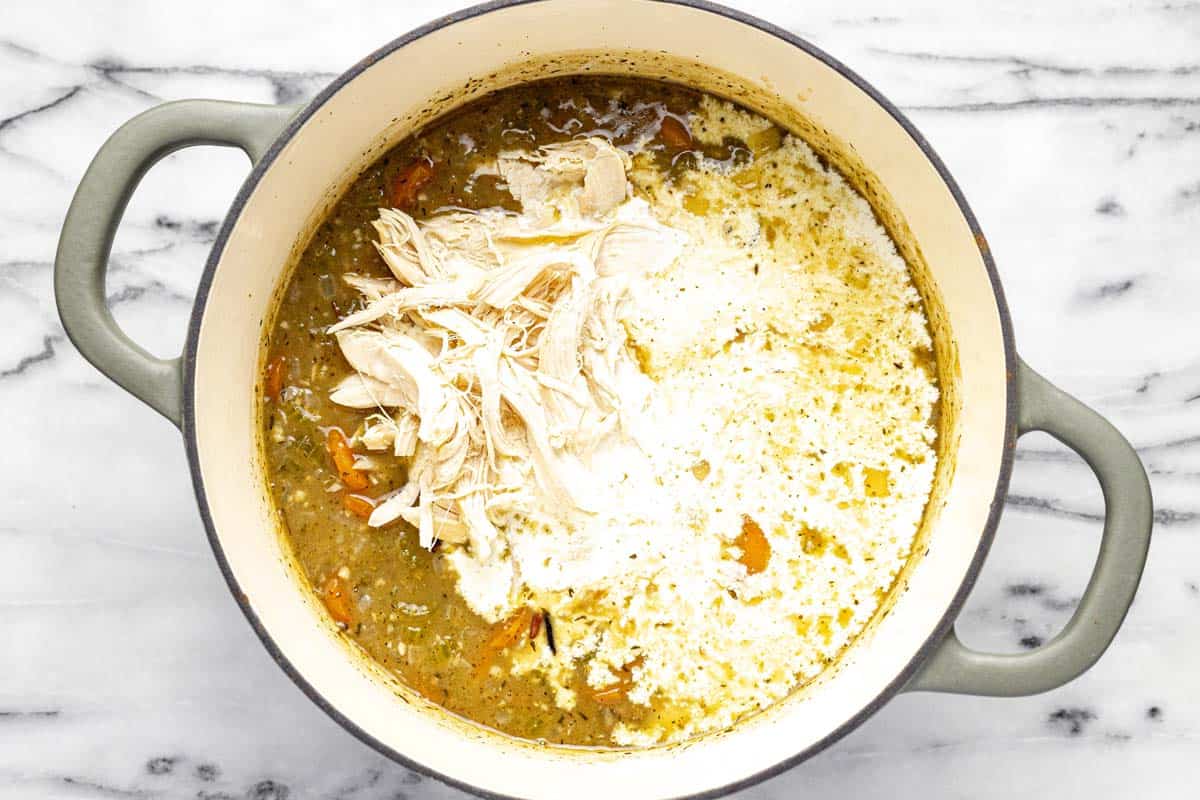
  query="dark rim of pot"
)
[{"x": 189, "y": 398}]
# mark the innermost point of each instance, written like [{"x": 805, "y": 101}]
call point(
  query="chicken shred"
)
[{"x": 492, "y": 355}]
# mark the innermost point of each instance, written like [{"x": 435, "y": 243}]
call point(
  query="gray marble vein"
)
[{"x": 126, "y": 670}]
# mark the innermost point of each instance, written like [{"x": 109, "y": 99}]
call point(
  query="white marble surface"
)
[{"x": 127, "y": 671}]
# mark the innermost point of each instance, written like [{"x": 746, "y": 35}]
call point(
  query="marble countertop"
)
[{"x": 126, "y": 669}]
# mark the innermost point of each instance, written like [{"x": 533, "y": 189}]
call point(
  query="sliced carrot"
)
[
  {"x": 339, "y": 449},
  {"x": 354, "y": 480},
  {"x": 410, "y": 181},
  {"x": 336, "y": 597},
  {"x": 508, "y": 631},
  {"x": 273, "y": 382},
  {"x": 675, "y": 134},
  {"x": 343, "y": 461},
  {"x": 756, "y": 550},
  {"x": 358, "y": 505},
  {"x": 504, "y": 634}
]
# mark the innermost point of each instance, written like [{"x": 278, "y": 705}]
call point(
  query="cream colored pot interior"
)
[{"x": 448, "y": 66}]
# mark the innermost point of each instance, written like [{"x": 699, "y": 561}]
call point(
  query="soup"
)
[{"x": 600, "y": 412}]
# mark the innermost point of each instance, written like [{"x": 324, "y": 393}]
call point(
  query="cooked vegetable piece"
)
[
  {"x": 508, "y": 631},
  {"x": 756, "y": 550},
  {"x": 504, "y": 634},
  {"x": 410, "y": 181},
  {"x": 273, "y": 380},
  {"x": 335, "y": 594},
  {"x": 675, "y": 134},
  {"x": 535, "y": 626},
  {"x": 343, "y": 461},
  {"x": 358, "y": 505}
]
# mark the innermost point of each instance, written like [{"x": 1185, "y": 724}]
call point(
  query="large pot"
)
[{"x": 304, "y": 157}]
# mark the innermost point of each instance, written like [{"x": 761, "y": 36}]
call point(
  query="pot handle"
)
[
  {"x": 1128, "y": 515},
  {"x": 91, "y": 222}
]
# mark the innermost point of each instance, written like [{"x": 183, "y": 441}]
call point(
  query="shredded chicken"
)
[{"x": 492, "y": 357}]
